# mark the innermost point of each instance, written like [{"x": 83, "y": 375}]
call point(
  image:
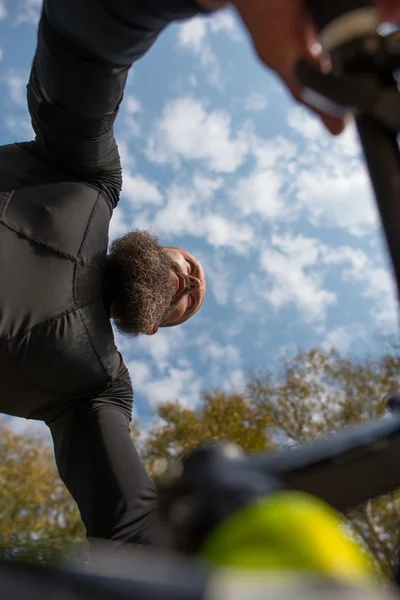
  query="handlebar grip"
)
[{"x": 326, "y": 11}]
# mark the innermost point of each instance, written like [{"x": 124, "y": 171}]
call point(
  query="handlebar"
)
[{"x": 344, "y": 469}]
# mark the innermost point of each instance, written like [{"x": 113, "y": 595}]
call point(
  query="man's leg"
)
[{"x": 102, "y": 470}]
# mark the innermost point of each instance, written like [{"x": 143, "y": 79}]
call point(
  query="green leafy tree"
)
[
  {"x": 310, "y": 395},
  {"x": 317, "y": 393},
  {"x": 38, "y": 519},
  {"x": 307, "y": 396},
  {"x": 232, "y": 418}
]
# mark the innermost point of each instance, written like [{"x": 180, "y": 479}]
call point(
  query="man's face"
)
[
  {"x": 190, "y": 286},
  {"x": 151, "y": 286}
]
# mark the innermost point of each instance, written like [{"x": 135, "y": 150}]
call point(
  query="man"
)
[{"x": 58, "y": 360}]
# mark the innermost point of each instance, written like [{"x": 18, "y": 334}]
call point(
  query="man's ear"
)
[{"x": 153, "y": 331}]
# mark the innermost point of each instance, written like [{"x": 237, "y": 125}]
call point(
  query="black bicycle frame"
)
[
  {"x": 360, "y": 463},
  {"x": 344, "y": 469}
]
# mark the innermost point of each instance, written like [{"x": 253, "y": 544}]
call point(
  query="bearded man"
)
[{"x": 60, "y": 287}]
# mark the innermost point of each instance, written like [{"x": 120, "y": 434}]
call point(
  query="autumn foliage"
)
[
  {"x": 307, "y": 396},
  {"x": 38, "y": 518}
]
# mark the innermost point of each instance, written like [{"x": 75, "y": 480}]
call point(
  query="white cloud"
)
[
  {"x": 348, "y": 143},
  {"x": 188, "y": 131},
  {"x": 139, "y": 191},
  {"x": 307, "y": 124},
  {"x": 140, "y": 373},
  {"x": 334, "y": 189},
  {"x": 178, "y": 216},
  {"x": 162, "y": 347},
  {"x": 289, "y": 274},
  {"x": 132, "y": 104},
  {"x": 379, "y": 287},
  {"x": 192, "y": 36},
  {"x": 256, "y": 102},
  {"x": 377, "y": 283},
  {"x": 246, "y": 300},
  {"x": 224, "y": 20},
  {"x": 205, "y": 186},
  {"x": 119, "y": 223},
  {"x": 128, "y": 160},
  {"x": 27, "y": 427},
  {"x": 356, "y": 258},
  {"x": 224, "y": 362},
  {"x": 222, "y": 232},
  {"x": 3, "y": 10},
  {"x": 288, "y": 262},
  {"x": 20, "y": 127},
  {"x": 338, "y": 199},
  {"x": 193, "y": 81},
  {"x": 16, "y": 81},
  {"x": 185, "y": 214},
  {"x": 382, "y": 289},
  {"x": 17, "y": 119},
  {"x": 235, "y": 383},
  {"x": 224, "y": 355},
  {"x": 132, "y": 108},
  {"x": 259, "y": 193},
  {"x": 220, "y": 275},
  {"x": 193, "y": 33},
  {"x": 177, "y": 384},
  {"x": 341, "y": 338},
  {"x": 273, "y": 154},
  {"x": 29, "y": 11}
]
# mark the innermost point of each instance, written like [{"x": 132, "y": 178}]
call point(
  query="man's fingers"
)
[
  {"x": 334, "y": 124},
  {"x": 283, "y": 33}
]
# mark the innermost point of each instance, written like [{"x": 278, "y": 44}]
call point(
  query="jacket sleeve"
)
[{"x": 84, "y": 52}]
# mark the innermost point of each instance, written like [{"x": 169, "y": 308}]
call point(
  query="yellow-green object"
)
[{"x": 289, "y": 531}]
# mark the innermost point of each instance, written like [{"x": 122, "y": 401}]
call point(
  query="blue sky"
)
[{"x": 219, "y": 160}]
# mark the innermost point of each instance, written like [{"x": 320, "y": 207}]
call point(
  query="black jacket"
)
[{"x": 57, "y": 195}]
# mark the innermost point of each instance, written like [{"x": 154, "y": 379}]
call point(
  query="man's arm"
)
[{"x": 84, "y": 53}]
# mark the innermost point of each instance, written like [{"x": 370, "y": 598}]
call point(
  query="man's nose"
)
[{"x": 195, "y": 283}]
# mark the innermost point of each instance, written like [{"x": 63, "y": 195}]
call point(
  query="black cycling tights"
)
[{"x": 102, "y": 470}]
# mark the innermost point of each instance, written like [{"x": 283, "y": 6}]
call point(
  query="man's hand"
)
[{"x": 282, "y": 33}]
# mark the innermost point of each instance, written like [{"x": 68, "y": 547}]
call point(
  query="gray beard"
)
[{"x": 139, "y": 284}]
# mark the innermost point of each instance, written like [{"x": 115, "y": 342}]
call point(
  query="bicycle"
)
[{"x": 210, "y": 487}]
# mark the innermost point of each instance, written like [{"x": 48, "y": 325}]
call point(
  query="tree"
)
[
  {"x": 316, "y": 393},
  {"x": 231, "y": 418},
  {"x": 309, "y": 395},
  {"x": 312, "y": 394},
  {"x": 39, "y": 520}
]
